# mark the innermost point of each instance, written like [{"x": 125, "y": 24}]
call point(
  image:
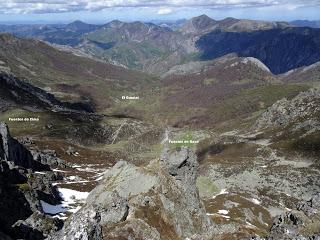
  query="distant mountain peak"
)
[
  {"x": 202, "y": 21},
  {"x": 198, "y": 24},
  {"x": 79, "y": 25},
  {"x": 203, "y": 16}
]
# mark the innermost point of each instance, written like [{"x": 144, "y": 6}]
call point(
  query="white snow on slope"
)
[{"x": 71, "y": 200}]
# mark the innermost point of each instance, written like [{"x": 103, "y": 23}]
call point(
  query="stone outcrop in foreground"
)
[
  {"x": 21, "y": 189},
  {"x": 159, "y": 201}
]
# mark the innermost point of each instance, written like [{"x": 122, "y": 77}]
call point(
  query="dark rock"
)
[
  {"x": 310, "y": 207},
  {"x": 37, "y": 226},
  {"x": 21, "y": 190},
  {"x": 49, "y": 157},
  {"x": 4, "y": 236},
  {"x": 300, "y": 224},
  {"x": 15, "y": 153}
]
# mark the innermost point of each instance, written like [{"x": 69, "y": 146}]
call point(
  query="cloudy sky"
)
[{"x": 129, "y": 10}]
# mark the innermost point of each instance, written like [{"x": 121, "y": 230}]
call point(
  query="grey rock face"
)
[
  {"x": 87, "y": 223},
  {"x": 180, "y": 197},
  {"x": 144, "y": 203},
  {"x": 310, "y": 207},
  {"x": 284, "y": 111}
]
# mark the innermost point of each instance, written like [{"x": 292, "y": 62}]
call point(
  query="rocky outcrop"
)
[
  {"x": 49, "y": 157},
  {"x": 22, "y": 189},
  {"x": 15, "y": 153},
  {"x": 180, "y": 197},
  {"x": 37, "y": 226},
  {"x": 300, "y": 224},
  {"x": 159, "y": 201},
  {"x": 304, "y": 106}
]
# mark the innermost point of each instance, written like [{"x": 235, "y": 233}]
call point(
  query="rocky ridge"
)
[{"x": 304, "y": 107}]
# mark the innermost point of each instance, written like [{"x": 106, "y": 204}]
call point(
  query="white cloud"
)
[
  {"x": 162, "y": 6},
  {"x": 164, "y": 11}
]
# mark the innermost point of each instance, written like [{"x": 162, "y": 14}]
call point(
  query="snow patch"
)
[
  {"x": 224, "y": 212},
  {"x": 58, "y": 170},
  {"x": 70, "y": 196},
  {"x": 255, "y": 201},
  {"x": 231, "y": 133},
  {"x": 262, "y": 142},
  {"x": 222, "y": 192},
  {"x": 257, "y": 62},
  {"x": 215, "y": 214},
  {"x": 52, "y": 209},
  {"x": 71, "y": 200}
]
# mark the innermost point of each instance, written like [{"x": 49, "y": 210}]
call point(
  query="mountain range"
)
[{"x": 156, "y": 48}]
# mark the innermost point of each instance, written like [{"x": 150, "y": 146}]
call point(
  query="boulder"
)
[{"x": 159, "y": 201}]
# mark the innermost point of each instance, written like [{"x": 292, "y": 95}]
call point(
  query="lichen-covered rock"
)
[{"x": 310, "y": 207}]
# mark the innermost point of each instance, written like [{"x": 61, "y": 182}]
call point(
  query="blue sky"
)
[{"x": 101, "y": 11}]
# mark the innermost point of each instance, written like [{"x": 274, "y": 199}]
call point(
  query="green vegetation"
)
[
  {"x": 307, "y": 143},
  {"x": 184, "y": 139},
  {"x": 196, "y": 56},
  {"x": 24, "y": 187},
  {"x": 206, "y": 187},
  {"x": 249, "y": 101},
  {"x": 209, "y": 81}
]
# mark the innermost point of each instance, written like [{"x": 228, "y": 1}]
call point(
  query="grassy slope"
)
[
  {"x": 226, "y": 92},
  {"x": 69, "y": 76}
]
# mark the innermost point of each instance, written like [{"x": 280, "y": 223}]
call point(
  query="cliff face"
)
[
  {"x": 21, "y": 213},
  {"x": 159, "y": 201}
]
